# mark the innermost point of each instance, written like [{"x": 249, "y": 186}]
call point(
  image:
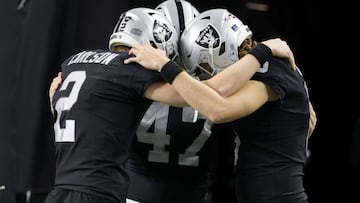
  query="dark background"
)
[{"x": 36, "y": 35}]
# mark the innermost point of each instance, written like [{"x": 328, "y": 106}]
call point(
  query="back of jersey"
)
[{"x": 98, "y": 107}]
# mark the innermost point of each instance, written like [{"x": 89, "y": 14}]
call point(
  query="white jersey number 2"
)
[{"x": 67, "y": 134}]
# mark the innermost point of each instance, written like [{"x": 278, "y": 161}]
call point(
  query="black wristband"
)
[
  {"x": 261, "y": 52},
  {"x": 170, "y": 70}
]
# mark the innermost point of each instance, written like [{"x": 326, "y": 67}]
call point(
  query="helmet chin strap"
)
[
  {"x": 211, "y": 55},
  {"x": 169, "y": 50},
  {"x": 205, "y": 70},
  {"x": 164, "y": 46},
  {"x": 208, "y": 59}
]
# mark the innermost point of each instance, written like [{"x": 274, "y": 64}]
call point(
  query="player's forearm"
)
[
  {"x": 231, "y": 79},
  {"x": 200, "y": 96}
]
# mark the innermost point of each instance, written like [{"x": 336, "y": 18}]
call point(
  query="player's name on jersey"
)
[{"x": 93, "y": 57}]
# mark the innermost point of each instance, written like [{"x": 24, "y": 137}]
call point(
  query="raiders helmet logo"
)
[
  {"x": 208, "y": 37},
  {"x": 161, "y": 32}
]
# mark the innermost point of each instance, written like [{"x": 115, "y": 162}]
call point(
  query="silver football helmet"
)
[
  {"x": 212, "y": 38},
  {"x": 145, "y": 26},
  {"x": 179, "y": 12}
]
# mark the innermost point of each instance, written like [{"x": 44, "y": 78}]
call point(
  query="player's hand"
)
[
  {"x": 55, "y": 84},
  {"x": 280, "y": 48},
  {"x": 148, "y": 57},
  {"x": 313, "y": 120}
]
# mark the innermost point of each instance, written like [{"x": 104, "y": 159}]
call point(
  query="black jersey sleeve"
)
[
  {"x": 286, "y": 82},
  {"x": 145, "y": 77}
]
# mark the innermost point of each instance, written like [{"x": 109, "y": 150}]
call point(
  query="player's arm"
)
[
  {"x": 313, "y": 120},
  {"x": 236, "y": 75},
  {"x": 227, "y": 81},
  {"x": 217, "y": 108},
  {"x": 221, "y": 109},
  {"x": 280, "y": 48},
  {"x": 165, "y": 93},
  {"x": 55, "y": 84}
]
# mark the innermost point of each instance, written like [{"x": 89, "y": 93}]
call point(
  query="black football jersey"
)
[
  {"x": 170, "y": 138},
  {"x": 272, "y": 152},
  {"x": 176, "y": 151},
  {"x": 98, "y": 108}
]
